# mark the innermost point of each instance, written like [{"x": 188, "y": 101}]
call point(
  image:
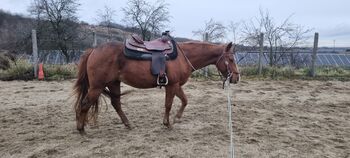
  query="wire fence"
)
[
  {"x": 56, "y": 57},
  {"x": 300, "y": 57},
  {"x": 244, "y": 58}
]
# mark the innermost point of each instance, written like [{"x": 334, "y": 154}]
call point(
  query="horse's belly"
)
[{"x": 137, "y": 74}]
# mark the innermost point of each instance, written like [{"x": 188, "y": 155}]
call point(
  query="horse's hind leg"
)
[
  {"x": 180, "y": 94},
  {"x": 114, "y": 89},
  {"x": 90, "y": 99}
]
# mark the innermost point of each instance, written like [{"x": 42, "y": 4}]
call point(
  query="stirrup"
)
[{"x": 162, "y": 80}]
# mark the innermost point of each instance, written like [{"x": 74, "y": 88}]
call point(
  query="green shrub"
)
[
  {"x": 59, "y": 72},
  {"x": 322, "y": 73},
  {"x": 267, "y": 72},
  {"x": 21, "y": 70}
]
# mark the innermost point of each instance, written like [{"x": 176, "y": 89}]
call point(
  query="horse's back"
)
[{"x": 107, "y": 63}]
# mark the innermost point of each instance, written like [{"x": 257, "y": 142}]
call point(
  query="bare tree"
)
[
  {"x": 57, "y": 22},
  {"x": 149, "y": 18},
  {"x": 234, "y": 26},
  {"x": 216, "y": 31},
  {"x": 106, "y": 19},
  {"x": 280, "y": 38}
]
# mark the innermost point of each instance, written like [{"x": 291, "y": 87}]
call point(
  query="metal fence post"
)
[
  {"x": 314, "y": 53},
  {"x": 261, "y": 43}
]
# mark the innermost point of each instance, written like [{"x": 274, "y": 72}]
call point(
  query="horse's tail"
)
[{"x": 81, "y": 87}]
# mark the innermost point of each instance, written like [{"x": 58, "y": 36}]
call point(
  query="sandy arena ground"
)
[{"x": 271, "y": 119}]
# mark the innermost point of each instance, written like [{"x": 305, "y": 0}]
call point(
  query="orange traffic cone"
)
[{"x": 41, "y": 72}]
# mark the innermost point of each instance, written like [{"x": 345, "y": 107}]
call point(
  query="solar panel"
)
[
  {"x": 340, "y": 61},
  {"x": 322, "y": 59},
  {"x": 343, "y": 58},
  {"x": 318, "y": 60},
  {"x": 327, "y": 60},
  {"x": 348, "y": 58},
  {"x": 336, "y": 60}
]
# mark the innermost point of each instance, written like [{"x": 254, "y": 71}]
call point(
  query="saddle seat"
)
[{"x": 158, "y": 45}]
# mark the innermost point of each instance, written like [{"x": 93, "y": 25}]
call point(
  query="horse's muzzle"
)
[{"x": 235, "y": 79}]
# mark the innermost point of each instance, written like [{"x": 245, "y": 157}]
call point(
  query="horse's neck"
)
[{"x": 201, "y": 57}]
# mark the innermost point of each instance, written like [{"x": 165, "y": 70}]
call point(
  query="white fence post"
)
[
  {"x": 206, "y": 69},
  {"x": 35, "y": 53},
  {"x": 94, "y": 44}
]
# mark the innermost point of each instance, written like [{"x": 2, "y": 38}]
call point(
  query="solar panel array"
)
[{"x": 322, "y": 59}]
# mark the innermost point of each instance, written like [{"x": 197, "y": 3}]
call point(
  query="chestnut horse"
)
[{"x": 102, "y": 69}]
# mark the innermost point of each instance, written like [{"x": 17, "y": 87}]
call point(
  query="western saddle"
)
[{"x": 158, "y": 51}]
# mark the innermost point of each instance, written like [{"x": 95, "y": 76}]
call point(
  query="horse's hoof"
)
[
  {"x": 128, "y": 126},
  {"x": 168, "y": 125},
  {"x": 177, "y": 120},
  {"x": 82, "y": 132}
]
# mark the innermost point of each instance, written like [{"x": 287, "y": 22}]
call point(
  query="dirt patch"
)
[{"x": 270, "y": 119}]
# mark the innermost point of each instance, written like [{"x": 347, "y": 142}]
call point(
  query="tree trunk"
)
[
  {"x": 271, "y": 56},
  {"x": 64, "y": 51},
  {"x": 143, "y": 34}
]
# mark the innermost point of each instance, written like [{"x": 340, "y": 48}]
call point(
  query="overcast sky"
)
[{"x": 331, "y": 18}]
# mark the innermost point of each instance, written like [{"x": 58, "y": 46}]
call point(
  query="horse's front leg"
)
[{"x": 169, "y": 98}]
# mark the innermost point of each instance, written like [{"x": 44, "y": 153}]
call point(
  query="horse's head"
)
[{"x": 226, "y": 64}]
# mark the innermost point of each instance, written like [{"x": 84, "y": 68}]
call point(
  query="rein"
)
[{"x": 188, "y": 61}]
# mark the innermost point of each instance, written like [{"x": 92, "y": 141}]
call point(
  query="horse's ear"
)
[{"x": 228, "y": 47}]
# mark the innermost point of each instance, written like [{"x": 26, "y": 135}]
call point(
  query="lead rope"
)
[{"x": 229, "y": 108}]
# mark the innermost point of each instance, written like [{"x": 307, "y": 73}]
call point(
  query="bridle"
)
[
  {"x": 230, "y": 72},
  {"x": 222, "y": 56}
]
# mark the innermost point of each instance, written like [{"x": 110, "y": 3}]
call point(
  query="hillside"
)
[{"x": 15, "y": 33}]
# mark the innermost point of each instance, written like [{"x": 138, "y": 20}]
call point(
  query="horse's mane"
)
[{"x": 200, "y": 42}]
